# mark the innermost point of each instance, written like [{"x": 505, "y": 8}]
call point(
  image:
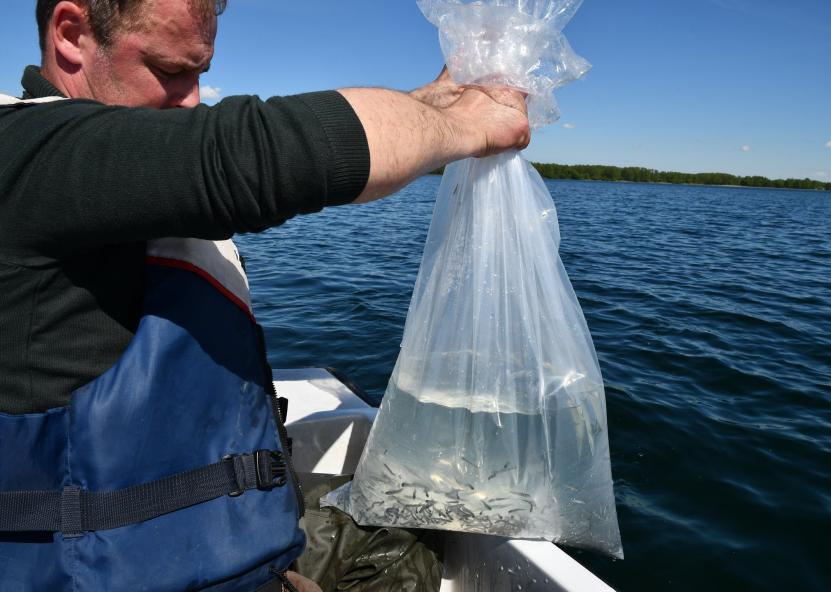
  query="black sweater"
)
[{"x": 83, "y": 186}]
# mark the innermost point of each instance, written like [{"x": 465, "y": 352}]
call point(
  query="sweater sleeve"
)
[{"x": 76, "y": 175}]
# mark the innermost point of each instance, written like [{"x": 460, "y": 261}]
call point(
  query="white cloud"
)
[
  {"x": 210, "y": 93},
  {"x": 822, "y": 174},
  {"x": 569, "y": 125},
  {"x": 745, "y": 148},
  {"x": 828, "y": 144}
]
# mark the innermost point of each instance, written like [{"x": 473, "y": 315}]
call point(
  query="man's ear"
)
[{"x": 70, "y": 32}]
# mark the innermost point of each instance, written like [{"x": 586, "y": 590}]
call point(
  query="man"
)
[{"x": 141, "y": 444}]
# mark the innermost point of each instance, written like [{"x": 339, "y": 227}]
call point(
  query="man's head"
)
[{"x": 128, "y": 52}]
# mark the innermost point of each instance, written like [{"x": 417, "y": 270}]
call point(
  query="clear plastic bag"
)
[
  {"x": 514, "y": 42},
  {"x": 494, "y": 419}
]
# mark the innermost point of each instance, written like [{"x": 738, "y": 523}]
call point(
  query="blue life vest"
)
[{"x": 192, "y": 390}]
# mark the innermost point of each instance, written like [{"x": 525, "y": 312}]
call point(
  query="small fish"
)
[
  {"x": 467, "y": 461},
  {"x": 387, "y": 467},
  {"x": 393, "y": 491},
  {"x": 520, "y": 494},
  {"x": 515, "y": 510},
  {"x": 487, "y": 507},
  {"x": 495, "y": 473},
  {"x": 466, "y": 513}
]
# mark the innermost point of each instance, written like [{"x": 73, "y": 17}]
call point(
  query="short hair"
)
[{"x": 106, "y": 17}]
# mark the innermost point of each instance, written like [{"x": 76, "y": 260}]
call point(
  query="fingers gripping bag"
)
[{"x": 494, "y": 419}]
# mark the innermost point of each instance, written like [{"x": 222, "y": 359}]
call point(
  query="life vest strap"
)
[{"x": 74, "y": 511}]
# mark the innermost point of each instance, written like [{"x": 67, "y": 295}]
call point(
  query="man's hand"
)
[
  {"x": 495, "y": 119},
  {"x": 501, "y": 130},
  {"x": 441, "y": 93},
  {"x": 408, "y": 137},
  {"x": 302, "y": 584}
]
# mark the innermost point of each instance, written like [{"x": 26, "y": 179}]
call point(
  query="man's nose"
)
[
  {"x": 190, "y": 97},
  {"x": 184, "y": 92}
]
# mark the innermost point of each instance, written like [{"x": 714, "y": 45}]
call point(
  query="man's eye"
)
[{"x": 164, "y": 73}]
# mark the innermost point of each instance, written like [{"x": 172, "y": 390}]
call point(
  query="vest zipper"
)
[
  {"x": 284, "y": 442},
  {"x": 280, "y": 421}
]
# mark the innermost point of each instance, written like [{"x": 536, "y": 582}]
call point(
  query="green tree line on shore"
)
[{"x": 594, "y": 172}]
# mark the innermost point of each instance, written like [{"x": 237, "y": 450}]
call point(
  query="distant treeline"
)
[{"x": 594, "y": 172}]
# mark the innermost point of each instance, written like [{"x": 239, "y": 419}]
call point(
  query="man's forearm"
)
[{"x": 406, "y": 138}]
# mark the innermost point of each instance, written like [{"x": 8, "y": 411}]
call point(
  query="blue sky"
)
[{"x": 741, "y": 86}]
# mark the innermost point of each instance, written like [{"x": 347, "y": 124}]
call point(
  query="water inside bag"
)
[{"x": 428, "y": 476}]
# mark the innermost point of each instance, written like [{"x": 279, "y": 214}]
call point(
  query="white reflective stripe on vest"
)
[
  {"x": 220, "y": 260},
  {"x": 7, "y": 101}
]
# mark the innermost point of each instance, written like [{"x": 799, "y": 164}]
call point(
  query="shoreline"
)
[
  {"x": 436, "y": 173},
  {"x": 687, "y": 184},
  {"x": 632, "y": 174}
]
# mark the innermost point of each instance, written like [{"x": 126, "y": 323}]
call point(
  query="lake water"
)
[{"x": 710, "y": 310}]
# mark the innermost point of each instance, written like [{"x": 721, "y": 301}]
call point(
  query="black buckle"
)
[{"x": 271, "y": 469}]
